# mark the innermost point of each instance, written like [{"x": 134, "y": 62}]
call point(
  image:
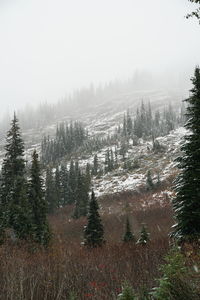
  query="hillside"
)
[{"x": 101, "y": 120}]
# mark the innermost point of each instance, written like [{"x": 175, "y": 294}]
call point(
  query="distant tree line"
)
[
  {"x": 80, "y": 100},
  {"x": 147, "y": 124},
  {"x": 66, "y": 186},
  {"x": 69, "y": 137}
]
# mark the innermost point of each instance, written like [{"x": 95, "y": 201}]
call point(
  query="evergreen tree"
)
[
  {"x": 149, "y": 181},
  {"x": 109, "y": 160},
  {"x": 72, "y": 183},
  {"x": 57, "y": 180},
  {"x": 129, "y": 124},
  {"x": 144, "y": 236},
  {"x": 88, "y": 176},
  {"x": 124, "y": 130},
  {"x": 158, "y": 183},
  {"x": 39, "y": 223},
  {"x": 187, "y": 201},
  {"x": 15, "y": 210},
  {"x": 50, "y": 194},
  {"x": 128, "y": 237},
  {"x": 127, "y": 293},
  {"x": 176, "y": 283},
  {"x": 94, "y": 232},
  {"x": 116, "y": 159},
  {"x": 81, "y": 204},
  {"x": 95, "y": 165},
  {"x": 64, "y": 178},
  {"x": 123, "y": 148}
]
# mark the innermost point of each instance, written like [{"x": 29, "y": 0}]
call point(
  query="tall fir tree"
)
[
  {"x": 94, "y": 231},
  {"x": 64, "y": 181},
  {"x": 187, "y": 186},
  {"x": 129, "y": 124},
  {"x": 88, "y": 176},
  {"x": 95, "y": 165},
  {"x": 40, "y": 227},
  {"x": 15, "y": 210},
  {"x": 81, "y": 204},
  {"x": 50, "y": 191},
  {"x": 72, "y": 183},
  {"x": 58, "y": 187}
]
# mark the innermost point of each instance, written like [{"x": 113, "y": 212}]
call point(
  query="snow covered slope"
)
[{"x": 102, "y": 119}]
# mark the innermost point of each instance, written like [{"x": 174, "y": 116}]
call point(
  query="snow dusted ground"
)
[
  {"x": 102, "y": 119},
  {"x": 122, "y": 180},
  {"x": 159, "y": 163}
]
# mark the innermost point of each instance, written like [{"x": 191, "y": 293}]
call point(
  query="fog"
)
[{"x": 50, "y": 47}]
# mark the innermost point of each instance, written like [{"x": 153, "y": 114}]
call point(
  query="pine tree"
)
[
  {"x": 187, "y": 201},
  {"x": 94, "y": 232},
  {"x": 95, "y": 165},
  {"x": 64, "y": 193},
  {"x": 129, "y": 124},
  {"x": 81, "y": 204},
  {"x": 57, "y": 187},
  {"x": 124, "y": 126},
  {"x": 128, "y": 237},
  {"x": 88, "y": 176},
  {"x": 144, "y": 236},
  {"x": 116, "y": 159},
  {"x": 123, "y": 148},
  {"x": 72, "y": 183},
  {"x": 127, "y": 293},
  {"x": 39, "y": 223},
  {"x": 149, "y": 181},
  {"x": 15, "y": 211},
  {"x": 50, "y": 194}
]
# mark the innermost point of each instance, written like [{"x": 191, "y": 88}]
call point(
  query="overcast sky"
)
[{"x": 50, "y": 47}]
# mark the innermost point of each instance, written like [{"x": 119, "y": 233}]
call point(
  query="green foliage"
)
[
  {"x": 175, "y": 283},
  {"x": 64, "y": 182},
  {"x": 149, "y": 181},
  {"x": 72, "y": 296},
  {"x": 109, "y": 161},
  {"x": 40, "y": 228},
  {"x": 95, "y": 165},
  {"x": 124, "y": 148},
  {"x": 130, "y": 164},
  {"x": 15, "y": 209},
  {"x": 94, "y": 232},
  {"x": 128, "y": 237},
  {"x": 50, "y": 191},
  {"x": 127, "y": 293},
  {"x": 81, "y": 204},
  {"x": 186, "y": 204},
  {"x": 68, "y": 187},
  {"x": 144, "y": 236},
  {"x": 69, "y": 137},
  {"x": 145, "y": 124},
  {"x": 72, "y": 183}
]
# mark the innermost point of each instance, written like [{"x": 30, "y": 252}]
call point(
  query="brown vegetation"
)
[{"x": 27, "y": 273}]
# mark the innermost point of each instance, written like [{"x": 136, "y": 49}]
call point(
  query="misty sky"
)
[{"x": 50, "y": 47}]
